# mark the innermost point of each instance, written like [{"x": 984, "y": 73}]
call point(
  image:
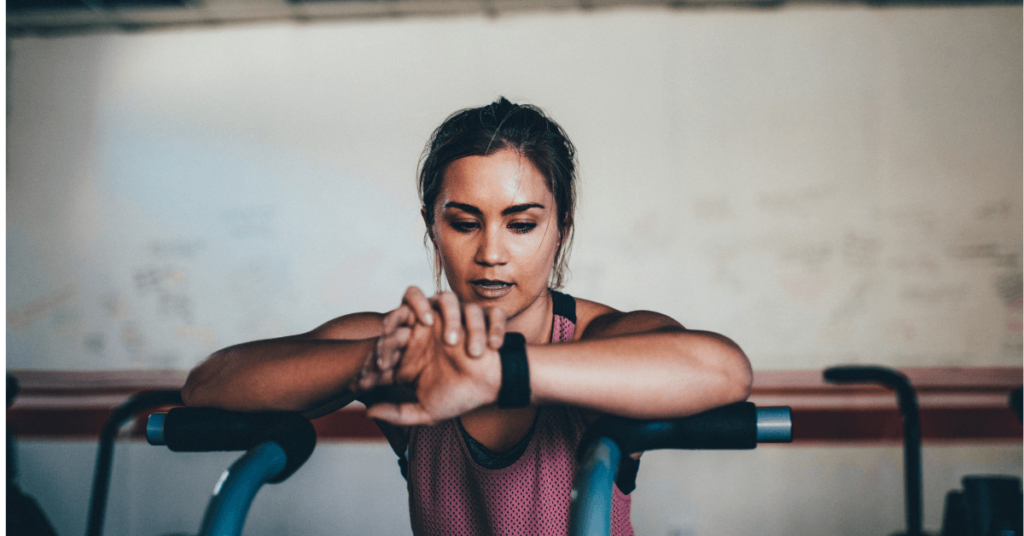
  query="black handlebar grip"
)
[
  {"x": 208, "y": 429},
  {"x": 728, "y": 427}
]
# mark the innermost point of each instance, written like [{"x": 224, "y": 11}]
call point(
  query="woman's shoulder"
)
[
  {"x": 353, "y": 326},
  {"x": 587, "y": 311},
  {"x": 596, "y": 320}
]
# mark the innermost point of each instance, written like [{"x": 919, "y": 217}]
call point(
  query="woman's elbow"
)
[
  {"x": 741, "y": 378},
  {"x": 199, "y": 383},
  {"x": 738, "y": 374},
  {"x": 192, "y": 392},
  {"x": 730, "y": 367}
]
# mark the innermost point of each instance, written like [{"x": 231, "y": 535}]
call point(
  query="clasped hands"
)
[{"x": 446, "y": 352}]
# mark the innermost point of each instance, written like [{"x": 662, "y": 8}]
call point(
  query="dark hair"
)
[{"x": 500, "y": 126}]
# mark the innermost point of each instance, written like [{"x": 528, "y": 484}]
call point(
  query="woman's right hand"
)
[
  {"x": 447, "y": 381},
  {"x": 482, "y": 328}
]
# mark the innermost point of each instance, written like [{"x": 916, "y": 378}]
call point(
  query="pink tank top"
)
[{"x": 451, "y": 495}]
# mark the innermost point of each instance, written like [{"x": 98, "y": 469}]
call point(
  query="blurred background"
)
[{"x": 824, "y": 182}]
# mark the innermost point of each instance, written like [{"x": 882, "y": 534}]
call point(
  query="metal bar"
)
[
  {"x": 234, "y": 492},
  {"x": 590, "y": 510}
]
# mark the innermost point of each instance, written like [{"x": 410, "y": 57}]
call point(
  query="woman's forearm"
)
[
  {"x": 292, "y": 374},
  {"x": 650, "y": 375}
]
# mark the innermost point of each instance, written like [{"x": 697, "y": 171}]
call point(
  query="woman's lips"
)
[{"x": 491, "y": 288}]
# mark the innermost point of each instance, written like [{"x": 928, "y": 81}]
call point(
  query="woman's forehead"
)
[{"x": 501, "y": 179}]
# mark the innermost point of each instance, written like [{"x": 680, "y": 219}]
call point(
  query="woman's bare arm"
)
[
  {"x": 297, "y": 373},
  {"x": 642, "y": 365},
  {"x": 323, "y": 370},
  {"x": 639, "y": 364}
]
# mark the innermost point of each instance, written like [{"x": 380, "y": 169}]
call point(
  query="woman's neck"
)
[{"x": 534, "y": 322}]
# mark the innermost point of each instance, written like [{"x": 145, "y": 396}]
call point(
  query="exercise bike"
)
[
  {"x": 988, "y": 505},
  {"x": 278, "y": 443}
]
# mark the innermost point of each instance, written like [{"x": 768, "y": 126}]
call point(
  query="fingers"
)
[
  {"x": 368, "y": 377},
  {"x": 419, "y": 304},
  {"x": 452, "y": 315},
  {"x": 390, "y": 347},
  {"x": 482, "y": 328},
  {"x": 420, "y": 350},
  {"x": 403, "y": 316},
  {"x": 378, "y": 366},
  {"x": 407, "y": 414},
  {"x": 476, "y": 329},
  {"x": 496, "y": 327},
  {"x": 415, "y": 307}
]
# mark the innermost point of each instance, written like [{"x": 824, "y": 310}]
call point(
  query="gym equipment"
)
[
  {"x": 988, "y": 505},
  {"x": 35, "y": 522},
  {"x": 278, "y": 443},
  {"x": 608, "y": 439},
  {"x": 24, "y": 516},
  {"x": 138, "y": 403},
  {"x": 907, "y": 400}
]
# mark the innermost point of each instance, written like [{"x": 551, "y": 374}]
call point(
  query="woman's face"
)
[{"x": 495, "y": 227}]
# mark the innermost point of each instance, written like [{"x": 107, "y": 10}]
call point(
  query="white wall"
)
[{"x": 824, "y": 185}]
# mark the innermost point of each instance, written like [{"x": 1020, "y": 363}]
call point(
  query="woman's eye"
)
[
  {"x": 522, "y": 227},
  {"x": 464, "y": 226}
]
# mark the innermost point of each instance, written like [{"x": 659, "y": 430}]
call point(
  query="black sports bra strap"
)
[{"x": 563, "y": 305}]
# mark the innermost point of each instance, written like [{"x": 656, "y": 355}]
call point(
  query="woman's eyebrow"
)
[
  {"x": 514, "y": 209},
  {"x": 463, "y": 207}
]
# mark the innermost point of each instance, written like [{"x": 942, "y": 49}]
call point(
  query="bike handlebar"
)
[
  {"x": 608, "y": 439},
  {"x": 207, "y": 429},
  {"x": 738, "y": 426},
  {"x": 735, "y": 427}
]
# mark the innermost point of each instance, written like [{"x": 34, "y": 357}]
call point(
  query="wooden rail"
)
[{"x": 958, "y": 405}]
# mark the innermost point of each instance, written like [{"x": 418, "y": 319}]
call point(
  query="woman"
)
[{"x": 467, "y": 384}]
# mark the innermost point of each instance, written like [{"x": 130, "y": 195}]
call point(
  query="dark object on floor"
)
[
  {"x": 24, "y": 516},
  {"x": 987, "y": 506}
]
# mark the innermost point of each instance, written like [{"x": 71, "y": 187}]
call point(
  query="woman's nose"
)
[{"x": 491, "y": 250}]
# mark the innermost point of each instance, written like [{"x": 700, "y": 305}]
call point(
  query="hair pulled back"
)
[{"x": 501, "y": 126}]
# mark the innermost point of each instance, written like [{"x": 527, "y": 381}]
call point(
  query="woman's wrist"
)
[{"x": 514, "y": 391}]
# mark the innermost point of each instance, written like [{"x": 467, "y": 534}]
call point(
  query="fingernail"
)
[
  {"x": 452, "y": 337},
  {"x": 496, "y": 342},
  {"x": 429, "y": 319},
  {"x": 475, "y": 350}
]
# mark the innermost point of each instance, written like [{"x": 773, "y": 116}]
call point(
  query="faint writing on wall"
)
[
  {"x": 167, "y": 284},
  {"x": 21, "y": 317}
]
